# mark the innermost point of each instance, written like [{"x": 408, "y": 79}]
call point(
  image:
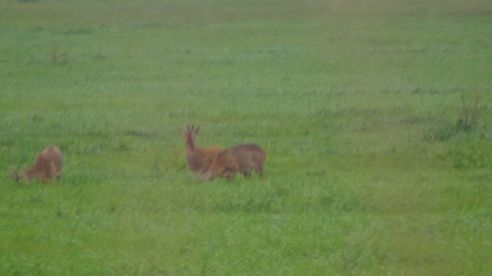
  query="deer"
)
[
  {"x": 47, "y": 167},
  {"x": 243, "y": 158},
  {"x": 198, "y": 159}
]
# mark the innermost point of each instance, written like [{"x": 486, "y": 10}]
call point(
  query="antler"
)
[
  {"x": 194, "y": 128},
  {"x": 191, "y": 129},
  {"x": 188, "y": 128}
]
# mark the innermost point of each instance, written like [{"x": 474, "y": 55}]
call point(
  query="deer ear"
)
[{"x": 197, "y": 129}]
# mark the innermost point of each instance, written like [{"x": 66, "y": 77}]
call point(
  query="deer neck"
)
[{"x": 190, "y": 145}]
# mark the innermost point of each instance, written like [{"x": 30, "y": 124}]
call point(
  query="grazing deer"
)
[
  {"x": 48, "y": 167},
  {"x": 242, "y": 159},
  {"x": 198, "y": 159}
]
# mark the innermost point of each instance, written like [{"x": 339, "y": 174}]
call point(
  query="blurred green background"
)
[{"x": 375, "y": 116}]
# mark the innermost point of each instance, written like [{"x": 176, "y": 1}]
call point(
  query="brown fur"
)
[
  {"x": 198, "y": 159},
  {"x": 48, "y": 166},
  {"x": 242, "y": 159}
]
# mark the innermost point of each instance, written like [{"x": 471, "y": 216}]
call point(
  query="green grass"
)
[{"x": 355, "y": 103}]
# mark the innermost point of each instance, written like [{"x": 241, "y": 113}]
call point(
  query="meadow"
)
[{"x": 375, "y": 115}]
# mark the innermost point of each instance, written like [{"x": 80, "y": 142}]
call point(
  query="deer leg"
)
[
  {"x": 259, "y": 170},
  {"x": 229, "y": 175}
]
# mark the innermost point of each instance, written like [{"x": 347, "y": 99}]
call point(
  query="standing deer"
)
[
  {"x": 243, "y": 159},
  {"x": 198, "y": 159},
  {"x": 48, "y": 167}
]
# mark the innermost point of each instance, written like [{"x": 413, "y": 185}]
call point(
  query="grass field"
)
[{"x": 357, "y": 103}]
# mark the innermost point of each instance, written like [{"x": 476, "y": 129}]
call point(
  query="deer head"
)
[{"x": 18, "y": 175}]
